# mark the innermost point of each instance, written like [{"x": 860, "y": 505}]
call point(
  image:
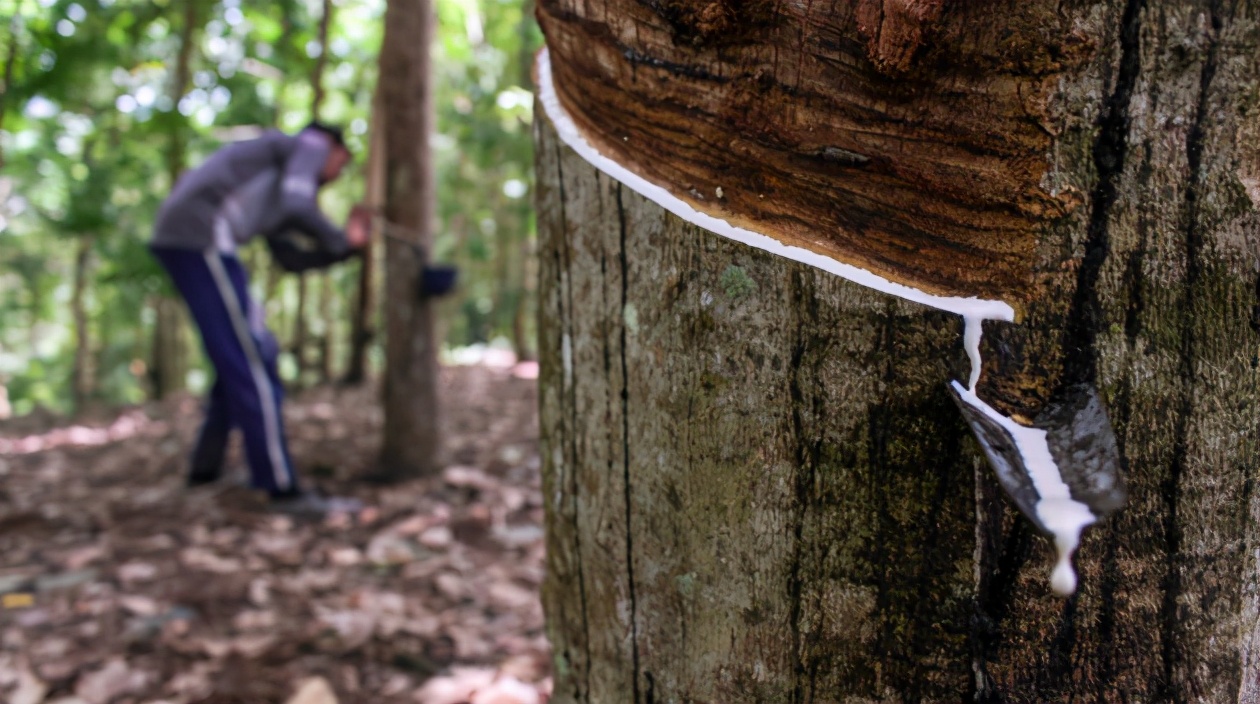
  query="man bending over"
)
[{"x": 265, "y": 186}]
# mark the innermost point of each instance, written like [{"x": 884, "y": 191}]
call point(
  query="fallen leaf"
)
[
  {"x": 203, "y": 559},
  {"x": 315, "y": 690},
  {"x": 353, "y": 628},
  {"x": 456, "y": 688},
  {"x": 259, "y": 591},
  {"x": 436, "y": 537},
  {"x": 252, "y": 620},
  {"x": 136, "y": 572},
  {"x": 468, "y": 478},
  {"x": 138, "y": 605},
  {"x": 30, "y": 689},
  {"x": 18, "y": 600},
  {"x": 103, "y": 685},
  {"x": 345, "y": 557},
  {"x": 507, "y": 690},
  {"x": 389, "y": 549},
  {"x": 64, "y": 580},
  {"x": 79, "y": 558}
]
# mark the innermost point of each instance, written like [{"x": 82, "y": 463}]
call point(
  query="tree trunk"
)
[
  {"x": 301, "y": 323},
  {"x": 169, "y": 349},
  {"x": 328, "y": 331},
  {"x": 169, "y": 370},
  {"x": 300, "y": 333},
  {"x": 10, "y": 64},
  {"x": 523, "y": 337},
  {"x": 758, "y": 487},
  {"x": 82, "y": 377},
  {"x": 411, "y": 444},
  {"x": 361, "y": 327},
  {"x": 326, "y": 284}
]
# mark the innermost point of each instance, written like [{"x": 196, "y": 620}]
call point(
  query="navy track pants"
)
[{"x": 247, "y": 393}]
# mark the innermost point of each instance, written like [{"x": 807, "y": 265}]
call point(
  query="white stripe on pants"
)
[{"x": 266, "y": 395}]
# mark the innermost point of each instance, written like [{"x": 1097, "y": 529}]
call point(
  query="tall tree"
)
[
  {"x": 758, "y": 487},
  {"x": 82, "y": 374},
  {"x": 361, "y": 325},
  {"x": 10, "y": 64},
  {"x": 169, "y": 368},
  {"x": 411, "y": 443},
  {"x": 301, "y": 322}
]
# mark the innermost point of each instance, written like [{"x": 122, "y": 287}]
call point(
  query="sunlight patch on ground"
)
[{"x": 125, "y": 426}]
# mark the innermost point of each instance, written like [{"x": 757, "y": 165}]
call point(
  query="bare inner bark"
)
[{"x": 918, "y": 154}]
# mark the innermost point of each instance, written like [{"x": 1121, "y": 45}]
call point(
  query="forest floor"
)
[{"x": 121, "y": 586}]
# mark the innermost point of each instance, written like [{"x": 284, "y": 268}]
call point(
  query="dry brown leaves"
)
[{"x": 119, "y": 586}]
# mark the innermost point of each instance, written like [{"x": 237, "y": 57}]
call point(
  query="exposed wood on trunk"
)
[
  {"x": 914, "y": 147},
  {"x": 757, "y": 489},
  {"x": 411, "y": 445}
]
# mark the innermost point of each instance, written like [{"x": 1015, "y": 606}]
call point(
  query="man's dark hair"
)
[{"x": 337, "y": 133}]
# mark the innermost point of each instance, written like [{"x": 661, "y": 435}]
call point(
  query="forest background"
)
[{"x": 105, "y": 102}]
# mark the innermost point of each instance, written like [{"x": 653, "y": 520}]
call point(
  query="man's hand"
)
[{"x": 359, "y": 226}]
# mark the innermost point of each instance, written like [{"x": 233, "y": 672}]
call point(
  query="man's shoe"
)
[
  {"x": 196, "y": 479},
  {"x": 309, "y": 503}
]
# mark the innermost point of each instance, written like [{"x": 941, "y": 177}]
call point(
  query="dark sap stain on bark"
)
[
  {"x": 625, "y": 450},
  {"x": 1255, "y": 309},
  {"x": 1012, "y": 546},
  {"x": 1170, "y": 616},
  {"x": 1110, "y": 149},
  {"x": 883, "y": 134},
  {"x": 809, "y": 453}
]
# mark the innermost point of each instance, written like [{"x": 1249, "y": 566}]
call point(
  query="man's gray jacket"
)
[{"x": 261, "y": 186}]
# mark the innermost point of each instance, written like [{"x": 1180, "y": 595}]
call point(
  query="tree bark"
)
[
  {"x": 83, "y": 375},
  {"x": 524, "y": 340},
  {"x": 169, "y": 347},
  {"x": 758, "y": 489},
  {"x": 327, "y": 350},
  {"x": 300, "y": 336},
  {"x": 10, "y": 65},
  {"x": 361, "y": 327},
  {"x": 169, "y": 371},
  {"x": 301, "y": 323},
  {"x": 411, "y": 443}
]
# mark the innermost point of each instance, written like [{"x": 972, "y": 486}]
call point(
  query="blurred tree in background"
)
[{"x": 96, "y": 118}]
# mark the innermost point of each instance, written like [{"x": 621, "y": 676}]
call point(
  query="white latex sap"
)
[{"x": 1057, "y": 511}]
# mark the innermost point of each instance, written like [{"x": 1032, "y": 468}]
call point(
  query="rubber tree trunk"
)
[
  {"x": 13, "y": 43},
  {"x": 169, "y": 370},
  {"x": 411, "y": 444},
  {"x": 757, "y": 486},
  {"x": 301, "y": 321},
  {"x": 83, "y": 373},
  {"x": 363, "y": 323}
]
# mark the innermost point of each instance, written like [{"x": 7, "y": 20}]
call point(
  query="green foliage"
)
[{"x": 90, "y": 128}]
